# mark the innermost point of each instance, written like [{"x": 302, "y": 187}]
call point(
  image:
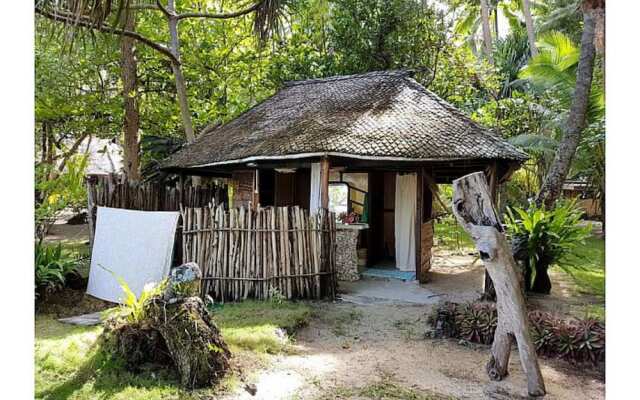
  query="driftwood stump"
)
[{"x": 475, "y": 211}]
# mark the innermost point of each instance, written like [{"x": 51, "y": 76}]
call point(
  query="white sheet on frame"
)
[{"x": 135, "y": 245}]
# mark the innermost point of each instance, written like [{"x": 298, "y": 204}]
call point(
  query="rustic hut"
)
[{"x": 381, "y": 135}]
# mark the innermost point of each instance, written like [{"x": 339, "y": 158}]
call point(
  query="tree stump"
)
[
  {"x": 193, "y": 340},
  {"x": 475, "y": 212}
]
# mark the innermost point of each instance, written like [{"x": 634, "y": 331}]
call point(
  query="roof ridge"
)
[{"x": 392, "y": 72}]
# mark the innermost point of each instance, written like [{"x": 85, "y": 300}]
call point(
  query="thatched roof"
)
[{"x": 377, "y": 115}]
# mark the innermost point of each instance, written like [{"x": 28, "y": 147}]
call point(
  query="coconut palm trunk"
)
[
  {"x": 531, "y": 34},
  {"x": 487, "y": 44},
  {"x": 576, "y": 121}
]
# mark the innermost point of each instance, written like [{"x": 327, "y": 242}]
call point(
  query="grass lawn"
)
[
  {"x": 69, "y": 363},
  {"x": 587, "y": 270}
]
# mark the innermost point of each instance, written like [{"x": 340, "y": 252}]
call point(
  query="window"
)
[{"x": 338, "y": 198}]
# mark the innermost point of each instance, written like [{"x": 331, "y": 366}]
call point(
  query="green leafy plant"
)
[
  {"x": 542, "y": 238},
  {"x": 56, "y": 191},
  {"x": 52, "y": 266},
  {"x": 133, "y": 307}
]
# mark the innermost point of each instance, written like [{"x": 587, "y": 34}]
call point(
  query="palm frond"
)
[{"x": 268, "y": 17}]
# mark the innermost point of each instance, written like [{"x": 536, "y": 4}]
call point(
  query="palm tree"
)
[
  {"x": 526, "y": 11},
  {"x": 487, "y": 44},
  {"x": 577, "y": 118}
]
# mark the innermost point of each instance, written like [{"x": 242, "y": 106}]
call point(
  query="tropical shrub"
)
[
  {"x": 52, "y": 267},
  {"x": 578, "y": 341},
  {"x": 542, "y": 238},
  {"x": 56, "y": 191}
]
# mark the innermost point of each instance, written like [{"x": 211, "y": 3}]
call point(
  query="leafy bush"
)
[
  {"x": 56, "y": 191},
  {"x": 544, "y": 237},
  {"x": 574, "y": 340},
  {"x": 52, "y": 266}
]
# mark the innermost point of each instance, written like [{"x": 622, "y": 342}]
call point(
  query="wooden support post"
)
[
  {"x": 418, "y": 227},
  {"x": 324, "y": 183},
  {"x": 255, "y": 199},
  {"x": 476, "y": 213},
  {"x": 182, "y": 190}
]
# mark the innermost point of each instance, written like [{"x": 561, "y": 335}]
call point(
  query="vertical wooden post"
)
[
  {"x": 91, "y": 208},
  {"x": 324, "y": 183},
  {"x": 255, "y": 199},
  {"x": 493, "y": 183},
  {"x": 418, "y": 225},
  {"x": 182, "y": 189}
]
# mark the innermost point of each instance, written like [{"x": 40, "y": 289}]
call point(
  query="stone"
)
[
  {"x": 184, "y": 281},
  {"x": 84, "y": 320}
]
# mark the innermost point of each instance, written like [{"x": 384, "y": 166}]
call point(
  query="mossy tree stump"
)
[{"x": 193, "y": 340}]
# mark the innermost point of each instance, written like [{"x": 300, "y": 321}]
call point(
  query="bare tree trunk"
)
[
  {"x": 531, "y": 34},
  {"x": 181, "y": 87},
  {"x": 576, "y": 121},
  {"x": 487, "y": 44},
  {"x": 131, "y": 123},
  {"x": 476, "y": 213}
]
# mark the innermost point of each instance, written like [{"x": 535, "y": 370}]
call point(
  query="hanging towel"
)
[
  {"x": 405, "y": 222},
  {"x": 135, "y": 245},
  {"x": 315, "y": 200}
]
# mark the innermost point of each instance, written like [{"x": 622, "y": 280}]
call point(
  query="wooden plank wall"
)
[{"x": 245, "y": 253}]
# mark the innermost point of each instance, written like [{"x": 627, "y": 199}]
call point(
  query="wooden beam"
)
[{"x": 324, "y": 183}]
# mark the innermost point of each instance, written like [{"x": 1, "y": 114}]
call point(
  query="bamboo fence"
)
[
  {"x": 107, "y": 192},
  {"x": 245, "y": 253}
]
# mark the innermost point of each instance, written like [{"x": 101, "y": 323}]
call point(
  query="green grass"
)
[
  {"x": 587, "y": 270},
  {"x": 386, "y": 388},
  {"x": 69, "y": 363},
  {"x": 252, "y": 325},
  {"x": 588, "y": 267}
]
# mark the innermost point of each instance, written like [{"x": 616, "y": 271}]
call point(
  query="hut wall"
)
[{"x": 243, "y": 182}]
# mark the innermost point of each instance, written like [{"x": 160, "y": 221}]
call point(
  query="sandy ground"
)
[
  {"x": 380, "y": 335},
  {"x": 353, "y": 345}
]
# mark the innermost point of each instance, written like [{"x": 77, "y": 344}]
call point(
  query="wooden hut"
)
[{"x": 382, "y": 134}]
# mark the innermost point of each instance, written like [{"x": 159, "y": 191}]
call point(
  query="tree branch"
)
[
  {"x": 234, "y": 14},
  {"x": 84, "y": 23}
]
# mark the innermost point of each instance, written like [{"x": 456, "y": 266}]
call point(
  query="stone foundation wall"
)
[{"x": 347, "y": 254}]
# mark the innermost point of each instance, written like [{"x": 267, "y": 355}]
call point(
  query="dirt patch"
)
[{"x": 70, "y": 302}]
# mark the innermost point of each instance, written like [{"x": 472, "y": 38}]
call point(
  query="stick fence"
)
[{"x": 245, "y": 253}]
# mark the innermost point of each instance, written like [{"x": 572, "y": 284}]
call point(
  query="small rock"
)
[{"x": 251, "y": 388}]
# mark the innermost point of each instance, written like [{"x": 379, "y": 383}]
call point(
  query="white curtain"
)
[
  {"x": 405, "y": 222},
  {"x": 136, "y": 246},
  {"x": 315, "y": 201}
]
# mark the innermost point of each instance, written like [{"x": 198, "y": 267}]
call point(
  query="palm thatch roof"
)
[{"x": 377, "y": 116}]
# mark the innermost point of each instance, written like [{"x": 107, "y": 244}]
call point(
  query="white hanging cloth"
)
[
  {"x": 405, "y": 221},
  {"x": 135, "y": 245},
  {"x": 315, "y": 201}
]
